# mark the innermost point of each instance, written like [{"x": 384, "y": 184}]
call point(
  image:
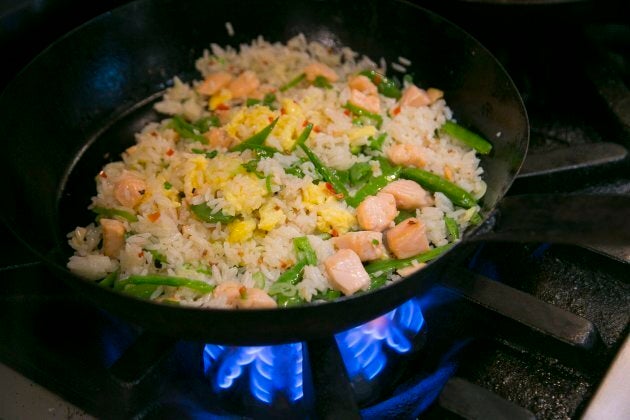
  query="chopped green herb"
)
[
  {"x": 375, "y": 242},
  {"x": 295, "y": 170},
  {"x": 268, "y": 184},
  {"x": 251, "y": 167},
  {"x": 168, "y": 185}
]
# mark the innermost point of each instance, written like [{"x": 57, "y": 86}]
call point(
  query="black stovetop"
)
[{"x": 517, "y": 364}]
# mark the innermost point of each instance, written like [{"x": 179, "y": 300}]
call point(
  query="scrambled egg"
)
[
  {"x": 241, "y": 230},
  {"x": 271, "y": 216},
  {"x": 245, "y": 193},
  {"x": 361, "y": 132},
  {"x": 249, "y": 121},
  {"x": 289, "y": 125},
  {"x": 195, "y": 177},
  {"x": 332, "y": 217},
  {"x": 222, "y": 169},
  {"x": 217, "y": 99},
  {"x": 314, "y": 195}
]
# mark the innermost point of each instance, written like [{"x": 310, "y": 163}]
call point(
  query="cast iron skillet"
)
[{"x": 77, "y": 105}]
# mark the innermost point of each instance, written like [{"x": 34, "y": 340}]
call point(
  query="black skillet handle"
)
[{"x": 576, "y": 219}]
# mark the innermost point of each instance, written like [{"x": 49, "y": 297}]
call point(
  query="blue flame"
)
[
  {"x": 271, "y": 369},
  {"x": 363, "y": 347},
  {"x": 275, "y": 370}
]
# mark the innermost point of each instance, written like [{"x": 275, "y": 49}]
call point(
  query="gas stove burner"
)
[{"x": 272, "y": 373}]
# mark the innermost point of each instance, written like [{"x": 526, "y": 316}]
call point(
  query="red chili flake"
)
[
  {"x": 317, "y": 129},
  {"x": 347, "y": 112},
  {"x": 154, "y": 216},
  {"x": 334, "y": 233},
  {"x": 223, "y": 107},
  {"x": 102, "y": 174},
  {"x": 243, "y": 292},
  {"x": 170, "y": 152},
  {"x": 282, "y": 111},
  {"x": 396, "y": 111},
  {"x": 141, "y": 254},
  {"x": 330, "y": 188},
  {"x": 377, "y": 80},
  {"x": 305, "y": 123},
  {"x": 271, "y": 119}
]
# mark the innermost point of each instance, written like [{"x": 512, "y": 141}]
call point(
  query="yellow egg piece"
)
[
  {"x": 217, "y": 99},
  {"x": 332, "y": 216},
  {"x": 271, "y": 216},
  {"x": 245, "y": 193},
  {"x": 361, "y": 132},
  {"x": 315, "y": 194},
  {"x": 249, "y": 121},
  {"x": 241, "y": 230}
]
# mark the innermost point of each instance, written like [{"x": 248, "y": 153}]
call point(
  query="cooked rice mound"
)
[{"x": 150, "y": 205}]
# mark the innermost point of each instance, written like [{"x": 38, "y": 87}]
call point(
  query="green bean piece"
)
[
  {"x": 303, "y": 136},
  {"x": 267, "y": 100},
  {"x": 404, "y": 215},
  {"x": 205, "y": 123},
  {"x": 158, "y": 258},
  {"x": 160, "y": 280},
  {"x": 360, "y": 112},
  {"x": 294, "y": 274},
  {"x": 288, "y": 301},
  {"x": 436, "y": 183},
  {"x": 386, "y": 87},
  {"x": 304, "y": 251},
  {"x": 452, "y": 229},
  {"x": 467, "y": 137},
  {"x": 376, "y": 143},
  {"x": 208, "y": 154},
  {"x": 475, "y": 219},
  {"x": 359, "y": 173},
  {"x": 376, "y": 282},
  {"x": 392, "y": 264},
  {"x": 322, "y": 82},
  {"x": 327, "y": 173},
  {"x": 111, "y": 213},
  {"x": 259, "y": 280},
  {"x": 256, "y": 140},
  {"x": 204, "y": 213},
  {"x": 186, "y": 130},
  {"x": 109, "y": 280},
  {"x": 292, "y": 83},
  {"x": 268, "y": 184},
  {"x": 327, "y": 295},
  {"x": 140, "y": 291},
  {"x": 373, "y": 186}
]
